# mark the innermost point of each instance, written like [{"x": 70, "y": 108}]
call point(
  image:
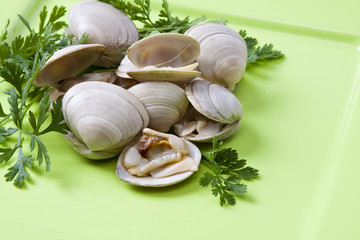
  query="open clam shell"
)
[
  {"x": 105, "y": 25},
  {"x": 216, "y": 112},
  {"x": 164, "y": 50},
  {"x": 102, "y": 115},
  {"x": 200, "y": 129},
  {"x": 223, "y": 53},
  {"x": 161, "y": 57},
  {"x": 165, "y": 102},
  {"x": 169, "y": 74},
  {"x": 68, "y": 62},
  {"x": 81, "y": 148},
  {"x": 110, "y": 77},
  {"x": 123, "y": 173}
]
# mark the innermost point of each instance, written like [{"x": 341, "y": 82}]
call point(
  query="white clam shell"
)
[
  {"x": 223, "y": 53},
  {"x": 102, "y": 115},
  {"x": 81, "y": 148},
  {"x": 169, "y": 74},
  {"x": 226, "y": 131},
  {"x": 66, "y": 84},
  {"x": 68, "y": 62},
  {"x": 149, "y": 181},
  {"x": 214, "y": 102},
  {"x": 165, "y": 102},
  {"x": 164, "y": 50},
  {"x": 105, "y": 25},
  {"x": 161, "y": 57}
]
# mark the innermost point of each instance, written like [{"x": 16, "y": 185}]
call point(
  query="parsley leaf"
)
[
  {"x": 226, "y": 173},
  {"x": 257, "y": 53},
  {"x": 20, "y": 61},
  {"x": 139, "y": 10}
]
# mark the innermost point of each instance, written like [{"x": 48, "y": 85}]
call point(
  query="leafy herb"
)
[
  {"x": 227, "y": 171},
  {"x": 20, "y": 62},
  {"x": 140, "y": 10},
  {"x": 257, "y": 53}
]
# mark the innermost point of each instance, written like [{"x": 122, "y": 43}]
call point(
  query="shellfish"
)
[
  {"x": 216, "y": 112},
  {"x": 165, "y": 102},
  {"x": 103, "y": 116},
  {"x": 161, "y": 57},
  {"x": 106, "y": 25},
  {"x": 223, "y": 53},
  {"x": 68, "y": 62},
  {"x": 158, "y": 159}
]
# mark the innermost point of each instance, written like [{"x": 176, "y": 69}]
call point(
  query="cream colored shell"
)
[
  {"x": 214, "y": 102},
  {"x": 105, "y": 25},
  {"x": 103, "y": 116},
  {"x": 161, "y": 57},
  {"x": 68, "y": 62},
  {"x": 165, "y": 102},
  {"x": 223, "y": 53}
]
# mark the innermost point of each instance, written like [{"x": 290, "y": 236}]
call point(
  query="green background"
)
[{"x": 301, "y": 129}]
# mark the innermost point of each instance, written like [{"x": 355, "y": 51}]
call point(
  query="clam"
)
[
  {"x": 158, "y": 159},
  {"x": 216, "y": 112},
  {"x": 68, "y": 62},
  {"x": 105, "y": 25},
  {"x": 65, "y": 84},
  {"x": 223, "y": 53},
  {"x": 162, "y": 57},
  {"x": 103, "y": 116},
  {"x": 110, "y": 77},
  {"x": 165, "y": 102}
]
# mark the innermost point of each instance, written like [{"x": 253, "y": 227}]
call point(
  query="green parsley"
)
[
  {"x": 28, "y": 115},
  {"x": 257, "y": 53},
  {"x": 140, "y": 11},
  {"x": 226, "y": 173}
]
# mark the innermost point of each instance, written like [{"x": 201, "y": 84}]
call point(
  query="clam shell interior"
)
[
  {"x": 149, "y": 181},
  {"x": 164, "y": 50},
  {"x": 68, "y": 62}
]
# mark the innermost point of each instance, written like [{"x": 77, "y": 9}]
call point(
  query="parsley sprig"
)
[
  {"x": 20, "y": 61},
  {"x": 140, "y": 11},
  {"x": 257, "y": 53},
  {"x": 226, "y": 173}
]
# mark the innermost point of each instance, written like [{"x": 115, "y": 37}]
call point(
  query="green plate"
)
[{"x": 301, "y": 129}]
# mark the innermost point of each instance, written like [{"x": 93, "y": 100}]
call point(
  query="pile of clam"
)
[{"x": 164, "y": 82}]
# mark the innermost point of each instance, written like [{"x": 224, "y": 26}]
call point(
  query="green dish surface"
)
[{"x": 301, "y": 129}]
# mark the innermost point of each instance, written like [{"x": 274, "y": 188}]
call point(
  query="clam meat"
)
[{"x": 158, "y": 159}]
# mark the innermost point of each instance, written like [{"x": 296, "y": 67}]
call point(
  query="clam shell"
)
[
  {"x": 68, "y": 62},
  {"x": 165, "y": 102},
  {"x": 214, "y": 102},
  {"x": 148, "y": 181},
  {"x": 81, "y": 148},
  {"x": 169, "y": 74},
  {"x": 105, "y": 25},
  {"x": 164, "y": 50},
  {"x": 102, "y": 115},
  {"x": 125, "y": 66},
  {"x": 66, "y": 84},
  {"x": 226, "y": 131},
  {"x": 223, "y": 53},
  {"x": 182, "y": 74}
]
